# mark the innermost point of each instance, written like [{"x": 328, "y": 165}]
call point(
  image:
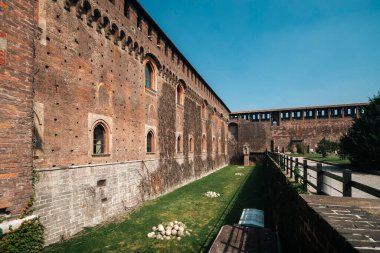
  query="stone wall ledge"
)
[
  {"x": 356, "y": 220},
  {"x": 113, "y": 163}
]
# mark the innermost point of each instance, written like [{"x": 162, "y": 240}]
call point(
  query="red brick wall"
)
[
  {"x": 16, "y": 79},
  {"x": 258, "y": 135},
  {"x": 84, "y": 73}
]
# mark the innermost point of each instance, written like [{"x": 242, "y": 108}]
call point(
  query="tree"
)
[
  {"x": 326, "y": 146},
  {"x": 361, "y": 144},
  {"x": 323, "y": 147}
]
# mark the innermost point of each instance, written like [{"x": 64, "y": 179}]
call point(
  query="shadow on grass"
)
[{"x": 253, "y": 193}]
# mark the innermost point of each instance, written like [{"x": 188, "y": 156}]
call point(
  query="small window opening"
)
[
  {"x": 150, "y": 142},
  {"x": 101, "y": 183},
  {"x": 150, "y": 32},
  {"x": 191, "y": 145},
  {"x": 149, "y": 76},
  {"x": 204, "y": 144},
  {"x": 99, "y": 139},
  {"x": 180, "y": 95},
  {"x": 179, "y": 144}
]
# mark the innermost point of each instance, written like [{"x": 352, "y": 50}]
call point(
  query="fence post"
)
[
  {"x": 305, "y": 175},
  {"x": 287, "y": 165},
  {"x": 296, "y": 172},
  {"x": 347, "y": 191},
  {"x": 319, "y": 179},
  {"x": 291, "y": 167}
]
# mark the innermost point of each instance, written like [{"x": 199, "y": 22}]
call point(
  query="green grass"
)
[
  {"x": 204, "y": 216},
  {"x": 330, "y": 158}
]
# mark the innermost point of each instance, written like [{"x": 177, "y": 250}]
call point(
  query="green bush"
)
[
  {"x": 28, "y": 238},
  {"x": 326, "y": 146},
  {"x": 300, "y": 148},
  {"x": 299, "y": 188},
  {"x": 362, "y": 142}
]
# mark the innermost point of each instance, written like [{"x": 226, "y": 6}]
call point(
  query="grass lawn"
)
[
  {"x": 204, "y": 216},
  {"x": 330, "y": 158}
]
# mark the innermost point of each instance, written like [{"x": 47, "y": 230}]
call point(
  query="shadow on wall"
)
[{"x": 235, "y": 155}]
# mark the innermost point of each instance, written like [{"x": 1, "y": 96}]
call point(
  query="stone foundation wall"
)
[{"x": 69, "y": 199}]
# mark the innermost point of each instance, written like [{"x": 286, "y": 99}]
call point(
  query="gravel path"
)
[{"x": 367, "y": 179}]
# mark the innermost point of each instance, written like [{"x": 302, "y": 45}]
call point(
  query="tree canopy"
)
[{"x": 362, "y": 142}]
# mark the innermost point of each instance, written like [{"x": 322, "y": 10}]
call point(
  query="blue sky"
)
[{"x": 261, "y": 54}]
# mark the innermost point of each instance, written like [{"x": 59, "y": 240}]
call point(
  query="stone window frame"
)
[
  {"x": 153, "y": 142},
  {"x": 106, "y": 128}
]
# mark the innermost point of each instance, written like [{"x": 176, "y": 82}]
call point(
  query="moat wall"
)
[
  {"x": 262, "y": 136},
  {"x": 70, "y": 66},
  {"x": 69, "y": 199},
  {"x": 91, "y": 58}
]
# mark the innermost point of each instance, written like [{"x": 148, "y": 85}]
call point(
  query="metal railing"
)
[{"x": 292, "y": 167}]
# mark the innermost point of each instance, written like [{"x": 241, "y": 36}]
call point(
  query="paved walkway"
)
[{"x": 367, "y": 179}]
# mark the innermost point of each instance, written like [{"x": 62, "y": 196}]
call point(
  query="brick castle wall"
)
[
  {"x": 16, "y": 94},
  {"x": 259, "y": 135},
  {"x": 91, "y": 58}
]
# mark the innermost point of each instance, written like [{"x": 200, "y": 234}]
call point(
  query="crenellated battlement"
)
[
  {"x": 275, "y": 116},
  {"x": 135, "y": 32}
]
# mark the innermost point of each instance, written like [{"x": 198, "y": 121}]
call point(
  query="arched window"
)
[
  {"x": 149, "y": 76},
  {"x": 204, "y": 146},
  {"x": 203, "y": 112},
  {"x": 180, "y": 95},
  {"x": 150, "y": 143},
  {"x": 100, "y": 139},
  {"x": 191, "y": 145},
  {"x": 179, "y": 144}
]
